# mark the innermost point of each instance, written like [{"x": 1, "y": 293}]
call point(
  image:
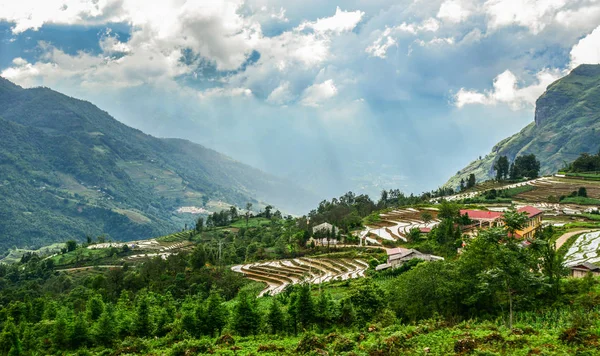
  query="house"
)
[
  {"x": 487, "y": 219},
  {"x": 582, "y": 269},
  {"x": 397, "y": 256},
  {"x": 484, "y": 218},
  {"x": 534, "y": 221},
  {"x": 325, "y": 228},
  {"x": 322, "y": 241}
]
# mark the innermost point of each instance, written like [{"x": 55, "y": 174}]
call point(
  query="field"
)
[
  {"x": 277, "y": 275},
  {"x": 586, "y": 248},
  {"x": 393, "y": 226}
]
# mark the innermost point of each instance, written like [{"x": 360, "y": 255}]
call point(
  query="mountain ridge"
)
[
  {"x": 566, "y": 124},
  {"x": 65, "y": 162}
]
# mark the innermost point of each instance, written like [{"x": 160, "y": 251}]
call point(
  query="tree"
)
[
  {"x": 104, "y": 331},
  {"x": 414, "y": 234},
  {"x": 142, "y": 323},
  {"x": 79, "y": 334},
  {"x": 502, "y": 167},
  {"x": 246, "y": 319},
  {"x": 61, "y": 330},
  {"x": 426, "y": 217},
  {"x": 367, "y": 299},
  {"x": 71, "y": 245},
  {"x": 233, "y": 212},
  {"x": 448, "y": 210},
  {"x": 582, "y": 192},
  {"x": 552, "y": 262},
  {"x": 216, "y": 313},
  {"x": 275, "y": 318},
  {"x": 268, "y": 209},
  {"x": 514, "y": 220},
  {"x": 95, "y": 307},
  {"x": 10, "y": 343},
  {"x": 471, "y": 181},
  {"x": 324, "y": 311},
  {"x": 305, "y": 306},
  {"x": 200, "y": 224},
  {"x": 248, "y": 211},
  {"x": 462, "y": 184},
  {"x": 525, "y": 166}
]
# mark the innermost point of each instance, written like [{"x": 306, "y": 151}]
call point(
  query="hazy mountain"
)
[
  {"x": 68, "y": 169},
  {"x": 567, "y": 123}
]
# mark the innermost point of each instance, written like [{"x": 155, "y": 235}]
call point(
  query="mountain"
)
[
  {"x": 567, "y": 123},
  {"x": 68, "y": 169}
]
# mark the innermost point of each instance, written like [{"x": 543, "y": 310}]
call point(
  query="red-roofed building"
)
[
  {"x": 490, "y": 218},
  {"x": 494, "y": 218},
  {"x": 534, "y": 221}
]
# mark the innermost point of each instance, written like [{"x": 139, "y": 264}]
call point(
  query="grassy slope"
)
[{"x": 568, "y": 120}]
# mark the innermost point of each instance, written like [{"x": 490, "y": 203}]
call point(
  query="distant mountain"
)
[
  {"x": 68, "y": 169},
  {"x": 567, "y": 123}
]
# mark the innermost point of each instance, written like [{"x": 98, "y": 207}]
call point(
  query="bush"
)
[
  {"x": 191, "y": 347},
  {"x": 310, "y": 342}
]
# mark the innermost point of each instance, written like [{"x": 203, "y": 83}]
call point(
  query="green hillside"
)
[
  {"x": 567, "y": 123},
  {"x": 68, "y": 169}
]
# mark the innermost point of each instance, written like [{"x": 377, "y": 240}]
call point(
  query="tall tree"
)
[
  {"x": 275, "y": 318},
  {"x": 305, "y": 306},
  {"x": 248, "y": 211},
  {"x": 143, "y": 323},
  {"x": 104, "y": 331},
  {"x": 471, "y": 181},
  {"x": 501, "y": 166},
  {"x": 216, "y": 313},
  {"x": 246, "y": 319}
]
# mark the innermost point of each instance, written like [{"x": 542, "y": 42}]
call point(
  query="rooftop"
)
[
  {"x": 481, "y": 214},
  {"x": 530, "y": 210}
]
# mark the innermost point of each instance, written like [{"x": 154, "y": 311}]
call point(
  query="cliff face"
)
[{"x": 566, "y": 124}]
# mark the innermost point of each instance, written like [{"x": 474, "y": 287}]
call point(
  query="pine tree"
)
[
  {"x": 324, "y": 311},
  {"x": 79, "y": 334},
  {"x": 275, "y": 318},
  {"x": 104, "y": 331},
  {"x": 216, "y": 313},
  {"x": 142, "y": 323},
  {"x": 61, "y": 331},
  {"x": 10, "y": 343},
  {"x": 246, "y": 319},
  {"x": 95, "y": 307},
  {"x": 305, "y": 306},
  {"x": 347, "y": 313}
]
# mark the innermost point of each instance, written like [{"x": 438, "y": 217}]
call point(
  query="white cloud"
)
[
  {"x": 341, "y": 21},
  {"x": 506, "y": 91},
  {"x": 316, "y": 94},
  {"x": 532, "y": 14},
  {"x": 453, "y": 11},
  {"x": 281, "y": 95},
  {"x": 388, "y": 37},
  {"x": 224, "y": 92},
  {"x": 587, "y": 50}
]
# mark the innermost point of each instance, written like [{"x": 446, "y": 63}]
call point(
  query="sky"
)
[{"x": 335, "y": 95}]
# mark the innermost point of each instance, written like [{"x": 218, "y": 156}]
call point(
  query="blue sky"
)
[{"x": 358, "y": 94}]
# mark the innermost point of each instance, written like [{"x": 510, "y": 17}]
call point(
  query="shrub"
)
[
  {"x": 191, "y": 347},
  {"x": 310, "y": 342}
]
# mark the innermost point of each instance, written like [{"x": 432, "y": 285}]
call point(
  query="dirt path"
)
[
  {"x": 561, "y": 240},
  {"x": 87, "y": 267}
]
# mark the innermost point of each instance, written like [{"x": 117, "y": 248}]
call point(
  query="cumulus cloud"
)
[
  {"x": 532, "y": 14},
  {"x": 454, "y": 11},
  {"x": 506, "y": 90},
  {"x": 341, "y": 21},
  {"x": 587, "y": 50},
  {"x": 388, "y": 37},
  {"x": 317, "y": 94}
]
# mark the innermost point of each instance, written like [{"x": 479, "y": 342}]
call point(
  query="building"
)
[
  {"x": 534, "y": 221},
  {"x": 325, "y": 228},
  {"x": 397, "y": 256},
  {"x": 582, "y": 269},
  {"x": 487, "y": 219},
  {"x": 322, "y": 242}
]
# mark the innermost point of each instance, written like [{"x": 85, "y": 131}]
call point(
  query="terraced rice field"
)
[
  {"x": 585, "y": 249},
  {"x": 396, "y": 224},
  {"x": 557, "y": 186},
  {"x": 279, "y": 274}
]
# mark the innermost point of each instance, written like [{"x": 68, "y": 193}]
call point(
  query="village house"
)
[
  {"x": 325, "y": 228},
  {"x": 397, "y": 256},
  {"x": 582, "y": 269},
  {"x": 488, "y": 219}
]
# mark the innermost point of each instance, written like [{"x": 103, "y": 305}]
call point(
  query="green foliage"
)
[{"x": 246, "y": 319}]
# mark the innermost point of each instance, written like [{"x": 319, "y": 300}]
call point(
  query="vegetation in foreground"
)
[{"x": 497, "y": 297}]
